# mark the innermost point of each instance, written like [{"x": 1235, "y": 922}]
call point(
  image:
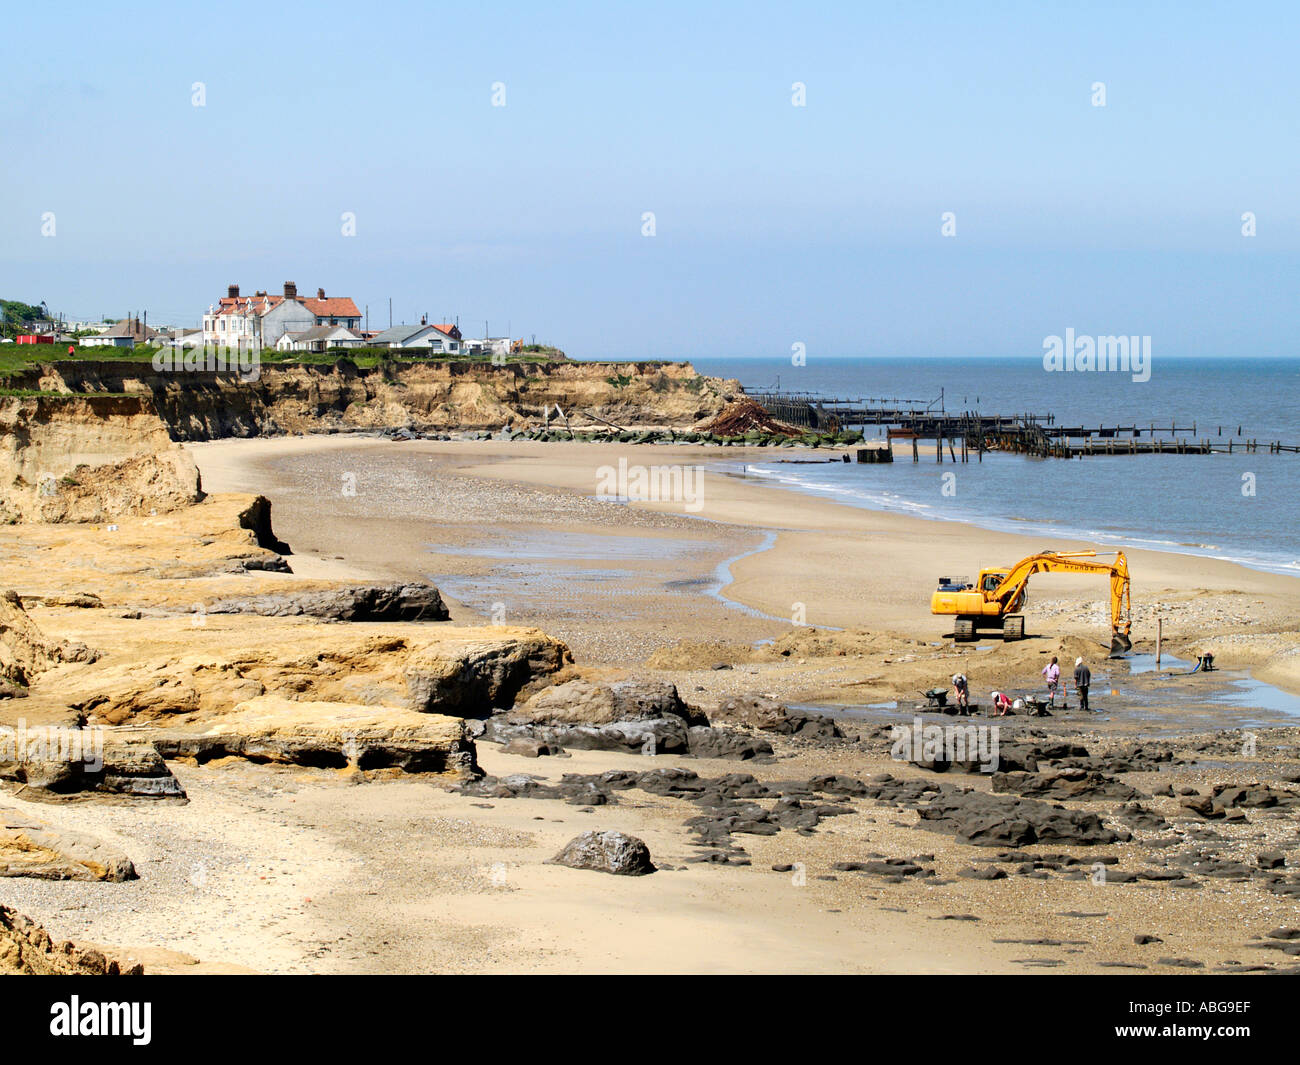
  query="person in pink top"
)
[{"x": 1052, "y": 672}]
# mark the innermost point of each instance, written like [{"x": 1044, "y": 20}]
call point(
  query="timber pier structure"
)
[{"x": 967, "y": 434}]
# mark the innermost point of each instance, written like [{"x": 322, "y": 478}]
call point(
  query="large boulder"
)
[
  {"x": 472, "y": 674},
  {"x": 607, "y": 852},
  {"x": 769, "y": 715},
  {"x": 582, "y": 702},
  {"x": 464, "y": 672}
]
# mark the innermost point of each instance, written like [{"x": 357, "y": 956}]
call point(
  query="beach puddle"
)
[{"x": 1172, "y": 682}]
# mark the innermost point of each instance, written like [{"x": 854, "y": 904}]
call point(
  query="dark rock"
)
[
  {"x": 1135, "y": 815},
  {"x": 1064, "y": 784},
  {"x": 1000, "y": 821},
  {"x": 984, "y": 872},
  {"x": 726, "y": 743}
]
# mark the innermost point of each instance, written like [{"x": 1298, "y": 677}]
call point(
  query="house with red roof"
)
[{"x": 260, "y": 320}]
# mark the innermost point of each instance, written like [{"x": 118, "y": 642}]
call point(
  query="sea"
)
[{"x": 1242, "y": 508}]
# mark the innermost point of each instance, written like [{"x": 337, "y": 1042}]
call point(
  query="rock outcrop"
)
[
  {"x": 1001, "y": 821},
  {"x": 26, "y": 949},
  {"x": 367, "y": 602},
  {"x": 34, "y": 849},
  {"x": 768, "y": 715},
  {"x": 330, "y": 736},
  {"x": 462, "y": 672},
  {"x": 637, "y": 717},
  {"x": 24, "y": 650},
  {"x": 89, "y": 459},
  {"x": 56, "y": 761}
]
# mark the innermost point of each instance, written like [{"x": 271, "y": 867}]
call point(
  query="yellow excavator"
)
[{"x": 996, "y": 599}]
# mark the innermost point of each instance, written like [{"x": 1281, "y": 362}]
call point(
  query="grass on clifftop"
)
[{"x": 17, "y": 358}]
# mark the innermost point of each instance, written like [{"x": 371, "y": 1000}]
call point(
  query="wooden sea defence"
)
[{"x": 967, "y": 435}]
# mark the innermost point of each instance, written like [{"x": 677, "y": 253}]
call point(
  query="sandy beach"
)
[
  {"x": 845, "y": 567},
  {"x": 316, "y": 869}
]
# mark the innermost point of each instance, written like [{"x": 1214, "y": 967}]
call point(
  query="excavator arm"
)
[{"x": 1012, "y": 587}]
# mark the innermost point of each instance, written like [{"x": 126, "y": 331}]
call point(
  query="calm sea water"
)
[{"x": 1181, "y": 503}]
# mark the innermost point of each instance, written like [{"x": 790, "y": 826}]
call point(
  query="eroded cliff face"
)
[
  {"x": 291, "y": 398},
  {"x": 88, "y": 459}
]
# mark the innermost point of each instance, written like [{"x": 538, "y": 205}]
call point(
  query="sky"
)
[{"x": 773, "y": 224}]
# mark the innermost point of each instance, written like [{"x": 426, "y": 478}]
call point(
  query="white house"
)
[
  {"x": 487, "y": 346},
  {"x": 260, "y": 320},
  {"x": 125, "y": 334},
  {"x": 432, "y": 338},
  {"x": 183, "y": 338},
  {"x": 320, "y": 338},
  {"x": 106, "y": 341}
]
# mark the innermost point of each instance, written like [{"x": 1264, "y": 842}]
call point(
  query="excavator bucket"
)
[{"x": 1120, "y": 645}]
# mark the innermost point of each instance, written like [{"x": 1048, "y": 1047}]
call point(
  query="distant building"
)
[
  {"x": 486, "y": 346},
  {"x": 320, "y": 338},
  {"x": 105, "y": 341},
  {"x": 124, "y": 334},
  {"x": 443, "y": 338},
  {"x": 260, "y": 320},
  {"x": 184, "y": 338}
]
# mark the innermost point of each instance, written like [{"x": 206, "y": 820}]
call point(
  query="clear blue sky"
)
[{"x": 775, "y": 224}]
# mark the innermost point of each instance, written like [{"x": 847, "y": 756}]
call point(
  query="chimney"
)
[
  {"x": 232, "y": 291},
  {"x": 424, "y": 319},
  {"x": 320, "y": 293},
  {"x": 290, "y": 290}
]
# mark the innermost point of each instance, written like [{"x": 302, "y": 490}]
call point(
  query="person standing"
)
[
  {"x": 1052, "y": 672},
  {"x": 961, "y": 690},
  {"x": 1082, "y": 678}
]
